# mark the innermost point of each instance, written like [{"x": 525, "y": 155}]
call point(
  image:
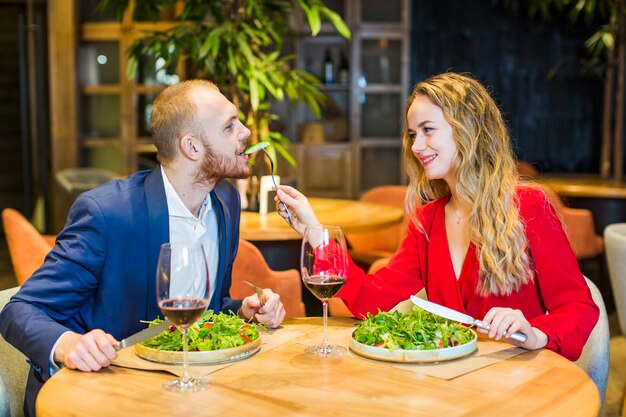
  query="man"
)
[{"x": 98, "y": 282}]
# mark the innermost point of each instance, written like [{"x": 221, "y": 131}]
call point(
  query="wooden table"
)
[
  {"x": 585, "y": 186},
  {"x": 280, "y": 244},
  {"x": 353, "y": 216},
  {"x": 286, "y": 382}
]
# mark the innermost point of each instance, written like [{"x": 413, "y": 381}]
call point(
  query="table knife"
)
[
  {"x": 145, "y": 334},
  {"x": 454, "y": 315}
]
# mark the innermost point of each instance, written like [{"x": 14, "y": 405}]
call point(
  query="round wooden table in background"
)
[
  {"x": 280, "y": 244},
  {"x": 284, "y": 381},
  {"x": 353, "y": 216}
]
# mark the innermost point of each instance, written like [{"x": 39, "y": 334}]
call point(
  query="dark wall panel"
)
[
  {"x": 555, "y": 123},
  {"x": 11, "y": 179}
]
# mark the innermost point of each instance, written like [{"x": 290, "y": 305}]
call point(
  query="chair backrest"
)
[
  {"x": 578, "y": 225},
  {"x": 250, "y": 265},
  {"x": 27, "y": 247},
  {"x": 13, "y": 371},
  {"x": 387, "y": 239},
  {"x": 615, "y": 241},
  {"x": 594, "y": 359},
  {"x": 526, "y": 169}
]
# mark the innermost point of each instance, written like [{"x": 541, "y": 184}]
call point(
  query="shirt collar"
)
[{"x": 175, "y": 205}]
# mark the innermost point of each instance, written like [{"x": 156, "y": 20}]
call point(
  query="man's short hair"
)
[{"x": 174, "y": 115}]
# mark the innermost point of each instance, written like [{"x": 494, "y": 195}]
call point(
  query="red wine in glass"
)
[
  {"x": 183, "y": 311},
  {"x": 324, "y": 286}
]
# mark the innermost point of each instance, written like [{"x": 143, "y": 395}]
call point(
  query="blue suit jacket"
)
[{"x": 101, "y": 272}]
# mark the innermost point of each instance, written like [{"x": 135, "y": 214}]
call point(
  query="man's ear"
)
[{"x": 189, "y": 147}]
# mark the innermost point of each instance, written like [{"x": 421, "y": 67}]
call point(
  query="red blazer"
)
[{"x": 557, "y": 301}]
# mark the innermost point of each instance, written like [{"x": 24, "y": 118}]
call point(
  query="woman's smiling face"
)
[{"x": 433, "y": 140}]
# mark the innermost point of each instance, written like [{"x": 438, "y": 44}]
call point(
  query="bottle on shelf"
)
[
  {"x": 329, "y": 68},
  {"x": 344, "y": 72}
]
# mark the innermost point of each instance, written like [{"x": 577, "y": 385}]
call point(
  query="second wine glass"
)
[
  {"x": 183, "y": 296},
  {"x": 324, "y": 267}
]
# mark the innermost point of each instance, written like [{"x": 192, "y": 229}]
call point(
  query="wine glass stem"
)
[
  {"x": 186, "y": 377},
  {"x": 325, "y": 310}
]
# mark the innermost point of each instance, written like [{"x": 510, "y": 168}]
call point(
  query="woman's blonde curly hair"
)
[{"x": 485, "y": 168}]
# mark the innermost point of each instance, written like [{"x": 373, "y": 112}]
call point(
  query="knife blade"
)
[
  {"x": 454, "y": 315},
  {"x": 259, "y": 290},
  {"x": 145, "y": 334}
]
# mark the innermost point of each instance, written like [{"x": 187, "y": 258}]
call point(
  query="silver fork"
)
[
  {"x": 259, "y": 290},
  {"x": 289, "y": 218}
]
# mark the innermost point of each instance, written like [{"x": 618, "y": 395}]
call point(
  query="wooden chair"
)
[
  {"x": 367, "y": 247},
  {"x": 13, "y": 371},
  {"x": 27, "y": 247},
  {"x": 578, "y": 225},
  {"x": 526, "y": 170},
  {"x": 615, "y": 238},
  {"x": 250, "y": 265},
  {"x": 594, "y": 359}
]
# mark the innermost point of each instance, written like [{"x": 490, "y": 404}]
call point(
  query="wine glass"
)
[
  {"x": 183, "y": 296},
  {"x": 324, "y": 267}
]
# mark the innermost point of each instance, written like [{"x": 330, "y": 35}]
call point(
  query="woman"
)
[{"x": 484, "y": 244}]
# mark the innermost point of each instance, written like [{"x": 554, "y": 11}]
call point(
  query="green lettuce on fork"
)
[
  {"x": 417, "y": 330},
  {"x": 210, "y": 332}
]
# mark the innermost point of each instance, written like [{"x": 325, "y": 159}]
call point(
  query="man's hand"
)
[
  {"x": 88, "y": 352},
  {"x": 268, "y": 310}
]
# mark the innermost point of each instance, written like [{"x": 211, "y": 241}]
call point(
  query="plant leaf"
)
[
  {"x": 254, "y": 94},
  {"x": 338, "y": 23},
  {"x": 131, "y": 67},
  {"x": 313, "y": 17}
]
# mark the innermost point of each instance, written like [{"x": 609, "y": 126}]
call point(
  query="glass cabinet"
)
[
  {"x": 114, "y": 111},
  {"x": 357, "y": 140}
]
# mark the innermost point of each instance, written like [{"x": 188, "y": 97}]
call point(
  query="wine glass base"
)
[
  {"x": 193, "y": 385},
  {"x": 326, "y": 351}
]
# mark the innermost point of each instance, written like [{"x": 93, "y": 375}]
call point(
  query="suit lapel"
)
[
  {"x": 223, "y": 219},
  {"x": 159, "y": 233}
]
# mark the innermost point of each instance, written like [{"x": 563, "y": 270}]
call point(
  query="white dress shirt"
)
[{"x": 187, "y": 228}]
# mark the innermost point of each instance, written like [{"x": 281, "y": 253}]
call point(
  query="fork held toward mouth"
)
[{"x": 289, "y": 218}]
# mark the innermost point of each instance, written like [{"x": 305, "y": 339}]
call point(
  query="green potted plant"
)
[{"x": 238, "y": 45}]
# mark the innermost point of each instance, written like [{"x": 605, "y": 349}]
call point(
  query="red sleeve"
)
[
  {"x": 572, "y": 313},
  {"x": 401, "y": 278}
]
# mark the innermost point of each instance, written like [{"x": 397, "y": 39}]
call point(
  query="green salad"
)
[
  {"x": 210, "y": 332},
  {"x": 418, "y": 330}
]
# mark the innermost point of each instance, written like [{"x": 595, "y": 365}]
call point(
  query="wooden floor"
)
[{"x": 617, "y": 372}]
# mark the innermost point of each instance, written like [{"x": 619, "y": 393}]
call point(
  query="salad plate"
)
[
  {"x": 415, "y": 337},
  {"x": 207, "y": 357},
  {"x": 213, "y": 339}
]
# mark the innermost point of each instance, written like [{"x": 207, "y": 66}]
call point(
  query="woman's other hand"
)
[{"x": 506, "y": 321}]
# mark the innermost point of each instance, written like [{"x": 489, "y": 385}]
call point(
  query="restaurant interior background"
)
[{"x": 66, "y": 102}]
